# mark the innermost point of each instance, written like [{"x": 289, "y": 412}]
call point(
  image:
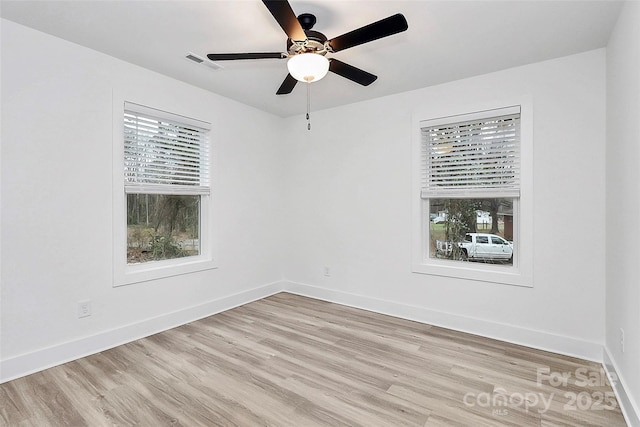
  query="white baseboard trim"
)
[
  {"x": 527, "y": 337},
  {"x": 25, "y": 364},
  {"x": 629, "y": 408}
]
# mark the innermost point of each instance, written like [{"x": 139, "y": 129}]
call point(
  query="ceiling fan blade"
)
[
  {"x": 385, "y": 27},
  {"x": 352, "y": 73},
  {"x": 232, "y": 56},
  {"x": 282, "y": 12},
  {"x": 287, "y": 85}
]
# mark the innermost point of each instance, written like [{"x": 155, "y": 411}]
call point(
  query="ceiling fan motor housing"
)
[{"x": 316, "y": 43}]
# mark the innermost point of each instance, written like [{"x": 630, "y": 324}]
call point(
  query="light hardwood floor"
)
[{"x": 288, "y": 360}]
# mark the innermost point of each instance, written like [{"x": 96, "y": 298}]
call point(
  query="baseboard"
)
[
  {"x": 39, "y": 360},
  {"x": 28, "y": 363},
  {"x": 531, "y": 338},
  {"x": 629, "y": 408}
]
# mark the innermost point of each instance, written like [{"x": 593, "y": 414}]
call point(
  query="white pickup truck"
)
[{"x": 480, "y": 246}]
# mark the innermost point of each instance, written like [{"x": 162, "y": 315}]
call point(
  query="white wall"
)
[
  {"x": 57, "y": 197},
  {"x": 623, "y": 200},
  {"x": 349, "y": 197}
]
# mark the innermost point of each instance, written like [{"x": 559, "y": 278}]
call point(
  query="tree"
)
[{"x": 461, "y": 219}]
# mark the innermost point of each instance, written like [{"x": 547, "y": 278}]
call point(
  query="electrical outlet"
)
[
  {"x": 327, "y": 271},
  {"x": 84, "y": 309},
  {"x": 622, "y": 340}
]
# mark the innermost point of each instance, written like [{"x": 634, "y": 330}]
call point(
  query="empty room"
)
[{"x": 320, "y": 213}]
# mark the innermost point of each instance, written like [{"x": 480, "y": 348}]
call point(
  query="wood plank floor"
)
[{"x": 287, "y": 360}]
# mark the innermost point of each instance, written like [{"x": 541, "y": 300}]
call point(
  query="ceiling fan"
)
[{"x": 307, "y": 49}]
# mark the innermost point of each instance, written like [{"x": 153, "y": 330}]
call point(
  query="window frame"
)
[
  {"x": 123, "y": 272},
  {"x": 521, "y": 272}
]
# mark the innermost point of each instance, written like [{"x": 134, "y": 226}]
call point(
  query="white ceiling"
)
[{"x": 446, "y": 40}]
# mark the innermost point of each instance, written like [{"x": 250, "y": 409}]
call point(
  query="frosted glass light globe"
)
[{"x": 308, "y": 67}]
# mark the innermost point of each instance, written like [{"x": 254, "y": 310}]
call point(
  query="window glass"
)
[
  {"x": 463, "y": 216},
  {"x": 166, "y": 173},
  {"x": 161, "y": 226},
  {"x": 497, "y": 240}
]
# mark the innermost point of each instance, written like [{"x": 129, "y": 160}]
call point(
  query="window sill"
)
[
  {"x": 153, "y": 270},
  {"x": 476, "y": 271}
]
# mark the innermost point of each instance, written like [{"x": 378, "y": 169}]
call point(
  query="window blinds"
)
[
  {"x": 164, "y": 153},
  {"x": 477, "y": 157}
]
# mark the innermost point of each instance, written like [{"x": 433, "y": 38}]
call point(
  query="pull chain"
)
[{"x": 309, "y": 106}]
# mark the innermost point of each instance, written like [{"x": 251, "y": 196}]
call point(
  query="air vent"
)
[
  {"x": 194, "y": 58},
  {"x": 200, "y": 60}
]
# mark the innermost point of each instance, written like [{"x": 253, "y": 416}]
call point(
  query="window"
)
[
  {"x": 498, "y": 241},
  {"x": 166, "y": 194},
  {"x": 469, "y": 195}
]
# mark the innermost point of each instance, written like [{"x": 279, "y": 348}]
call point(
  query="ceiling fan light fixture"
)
[{"x": 308, "y": 67}]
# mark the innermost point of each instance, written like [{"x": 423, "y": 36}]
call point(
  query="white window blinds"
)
[
  {"x": 164, "y": 153},
  {"x": 472, "y": 156}
]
